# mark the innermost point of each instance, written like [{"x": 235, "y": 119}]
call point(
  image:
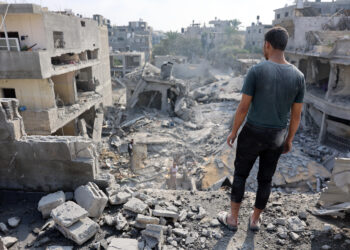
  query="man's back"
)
[{"x": 274, "y": 88}]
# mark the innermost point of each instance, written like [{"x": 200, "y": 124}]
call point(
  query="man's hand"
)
[
  {"x": 231, "y": 139},
  {"x": 287, "y": 147}
]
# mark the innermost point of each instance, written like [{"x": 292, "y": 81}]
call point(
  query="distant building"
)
[
  {"x": 160, "y": 60},
  {"x": 123, "y": 63},
  {"x": 137, "y": 36},
  {"x": 157, "y": 37},
  {"x": 255, "y": 35},
  {"x": 57, "y": 65}
]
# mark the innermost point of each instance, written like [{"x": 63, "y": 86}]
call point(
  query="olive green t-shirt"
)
[{"x": 274, "y": 88}]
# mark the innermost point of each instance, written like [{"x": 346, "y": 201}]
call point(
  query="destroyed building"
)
[
  {"x": 57, "y": 66},
  {"x": 123, "y": 63},
  {"x": 319, "y": 46},
  {"x": 160, "y": 60},
  {"x": 137, "y": 36},
  {"x": 255, "y": 35},
  {"x": 152, "y": 87}
]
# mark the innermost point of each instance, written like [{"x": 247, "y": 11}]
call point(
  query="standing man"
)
[{"x": 272, "y": 95}]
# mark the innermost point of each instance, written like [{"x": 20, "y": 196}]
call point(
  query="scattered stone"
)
[
  {"x": 3, "y": 228},
  {"x": 14, "y": 221},
  {"x": 214, "y": 223},
  {"x": 295, "y": 224},
  {"x": 270, "y": 227},
  {"x": 147, "y": 219},
  {"x": 119, "y": 198},
  {"x": 68, "y": 213},
  {"x": 326, "y": 247},
  {"x": 282, "y": 233},
  {"x": 294, "y": 236},
  {"x": 183, "y": 215},
  {"x": 9, "y": 241},
  {"x": 302, "y": 215},
  {"x": 280, "y": 221},
  {"x": 91, "y": 198},
  {"x": 120, "y": 221},
  {"x": 81, "y": 231},
  {"x": 2, "y": 244},
  {"x": 123, "y": 244},
  {"x": 190, "y": 240},
  {"x": 281, "y": 242},
  {"x": 41, "y": 242},
  {"x": 155, "y": 231},
  {"x": 201, "y": 213},
  {"x": 48, "y": 202},
  {"x": 180, "y": 232},
  {"x": 109, "y": 220},
  {"x": 135, "y": 205}
]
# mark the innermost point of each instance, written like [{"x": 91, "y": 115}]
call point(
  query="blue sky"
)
[{"x": 169, "y": 14}]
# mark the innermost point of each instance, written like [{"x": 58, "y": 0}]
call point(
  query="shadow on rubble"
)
[{"x": 228, "y": 241}]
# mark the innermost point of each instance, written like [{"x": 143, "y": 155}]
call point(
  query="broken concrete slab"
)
[
  {"x": 14, "y": 221},
  {"x": 123, "y": 244},
  {"x": 48, "y": 202},
  {"x": 180, "y": 232},
  {"x": 119, "y": 198},
  {"x": 165, "y": 214},
  {"x": 295, "y": 224},
  {"x": 91, "y": 198},
  {"x": 120, "y": 221},
  {"x": 81, "y": 231},
  {"x": 68, "y": 213},
  {"x": 154, "y": 231},
  {"x": 135, "y": 205},
  {"x": 147, "y": 219},
  {"x": 2, "y": 244},
  {"x": 9, "y": 241}
]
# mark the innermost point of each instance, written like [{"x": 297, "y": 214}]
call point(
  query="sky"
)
[{"x": 169, "y": 15}]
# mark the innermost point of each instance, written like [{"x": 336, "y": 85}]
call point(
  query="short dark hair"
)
[{"x": 277, "y": 37}]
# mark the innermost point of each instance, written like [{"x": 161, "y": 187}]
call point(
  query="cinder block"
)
[
  {"x": 68, "y": 213},
  {"x": 123, "y": 244},
  {"x": 49, "y": 202},
  {"x": 91, "y": 198},
  {"x": 81, "y": 231}
]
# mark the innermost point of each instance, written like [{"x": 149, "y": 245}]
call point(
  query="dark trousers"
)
[{"x": 253, "y": 141}]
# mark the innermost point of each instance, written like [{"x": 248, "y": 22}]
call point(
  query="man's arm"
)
[
  {"x": 240, "y": 115},
  {"x": 293, "y": 126}
]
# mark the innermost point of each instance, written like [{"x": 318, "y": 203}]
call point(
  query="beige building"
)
[
  {"x": 255, "y": 35},
  {"x": 57, "y": 65},
  {"x": 319, "y": 46}
]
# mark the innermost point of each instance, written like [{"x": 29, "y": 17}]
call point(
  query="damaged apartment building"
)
[
  {"x": 255, "y": 35},
  {"x": 136, "y": 36},
  {"x": 319, "y": 46},
  {"x": 57, "y": 65}
]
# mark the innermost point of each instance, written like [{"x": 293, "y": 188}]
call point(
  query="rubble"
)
[
  {"x": 81, "y": 231},
  {"x": 91, "y": 198},
  {"x": 9, "y": 241},
  {"x": 123, "y": 244},
  {"x": 135, "y": 205},
  {"x": 59, "y": 248},
  {"x": 68, "y": 213},
  {"x": 14, "y": 221},
  {"x": 50, "y": 202}
]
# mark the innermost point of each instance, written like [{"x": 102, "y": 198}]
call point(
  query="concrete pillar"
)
[
  {"x": 332, "y": 78},
  {"x": 164, "y": 107},
  {"x": 323, "y": 128}
]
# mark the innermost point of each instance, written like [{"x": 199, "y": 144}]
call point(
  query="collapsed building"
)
[
  {"x": 57, "y": 66},
  {"x": 123, "y": 63},
  {"x": 160, "y": 60},
  {"x": 136, "y": 36},
  {"x": 319, "y": 46}
]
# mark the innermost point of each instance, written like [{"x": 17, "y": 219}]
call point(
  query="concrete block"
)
[
  {"x": 81, "y": 231},
  {"x": 91, "y": 198},
  {"x": 3, "y": 228},
  {"x": 165, "y": 214},
  {"x": 68, "y": 213},
  {"x": 119, "y": 198},
  {"x": 104, "y": 180},
  {"x": 135, "y": 205},
  {"x": 14, "y": 221},
  {"x": 154, "y": 231},
  {"x": 147, "y": 219},
  {"x": 2, "y": 244},
  {"x": 49, "y": 202},
  {"x": 123, "y": 244},
  {"x": 120, "y": 221}
]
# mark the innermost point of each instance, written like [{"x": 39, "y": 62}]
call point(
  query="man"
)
[{"x": 272, "y": 94}]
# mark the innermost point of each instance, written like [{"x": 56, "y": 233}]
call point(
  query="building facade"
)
[
  {"x": 319, "y": 46},
  {"x": 255, "y": 35},
  {"x": 57, "y": 66},
  {"x": 137, "y": 36}
]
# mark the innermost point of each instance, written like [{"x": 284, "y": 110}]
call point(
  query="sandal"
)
[
  {"x": 258, "y": 224},
  {"x": 222, "y": 218}
]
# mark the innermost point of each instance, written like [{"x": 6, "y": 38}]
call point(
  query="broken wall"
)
[{"x": 41, "y": 163}]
